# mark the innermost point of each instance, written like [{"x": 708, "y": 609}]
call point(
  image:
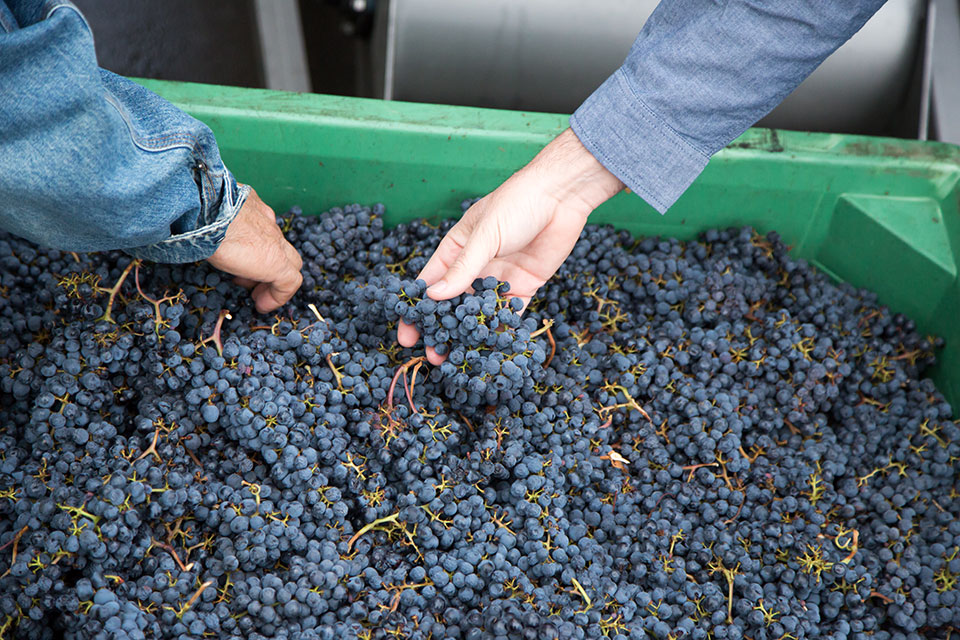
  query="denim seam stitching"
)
[
  {"x": 4, "y": 17},
  {"x": 207, "y": 229},
  {"x": 193, "y": 147},
  {"x": 186, "y": 140},
  {"x": 608, "y": 161},
  {"x": 621, "y": 78},
  {"x": 69, "y": 6}
]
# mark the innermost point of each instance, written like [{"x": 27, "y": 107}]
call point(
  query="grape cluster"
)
[
  {"x": 675, "y": 440},
  {"x": 493, "y": 357}
]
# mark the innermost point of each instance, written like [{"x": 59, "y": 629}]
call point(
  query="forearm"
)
[
  {"x": 698, "y": 75},
  {"x": 91, "y": 161},
  {"x": 571, "y": 175}
]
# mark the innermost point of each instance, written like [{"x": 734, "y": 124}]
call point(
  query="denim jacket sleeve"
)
[
  {"x": 699, "y": 74},
  {"x": 91, "y": 161}
]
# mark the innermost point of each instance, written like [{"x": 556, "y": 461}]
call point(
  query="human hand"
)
[
  {"x": 255, "y": 251},
  {"x": 522, "y": 231}
]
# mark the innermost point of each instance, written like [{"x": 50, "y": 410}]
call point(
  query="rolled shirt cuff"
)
[
  {"x": 635, "y": 144},
  {"x": 202, "y": 242}
]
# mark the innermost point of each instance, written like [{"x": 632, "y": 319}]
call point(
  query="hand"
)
[
  {"x": 521, "y": 232},
  {"x": 255, "y": 251}
]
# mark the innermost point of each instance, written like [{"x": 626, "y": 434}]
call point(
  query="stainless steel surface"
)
[
  {"x": 945, "y": 81},
  {"x": 926, "y": 80},
  {"x": 543, "y": 55},
  {"x": 863, "y": 84},
  {"x": 548, "y": 55},
  {"x": 281, "y": 45}
]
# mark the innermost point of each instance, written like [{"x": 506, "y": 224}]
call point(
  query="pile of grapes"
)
[{"x": 675, "y": 440}]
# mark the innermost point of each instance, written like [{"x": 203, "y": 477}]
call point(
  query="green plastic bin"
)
[{"x": 879, "y": 213}]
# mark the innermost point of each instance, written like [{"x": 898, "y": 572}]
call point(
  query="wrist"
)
[{"x": 569, "y": 173}]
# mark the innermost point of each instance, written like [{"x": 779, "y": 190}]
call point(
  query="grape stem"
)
[
  {"x": 466, "y": 421},
  {"x": 399, "y": 588},
  {"x": 313, "y": 308},
  {"x": 546, "y": 327},
  {"x": 401, "y": 372},
  {"x": 582, "y": 592},
  {"x": 553, "y": 343},
  {"x": 13, "y": 541},
  {"x": 158, "y": 316},
  {"x": 553, "y": 348},
  {"x": 336, "y": 372},
  {"x": 192, "y": 455},
  {"x": 196, "y": 594},
  {"x": 737, "y": 514},
  {"x": 370, "y": 526},
  {"x": 151, "y": 449},
  {"x": 630, "y": 403},
  {"x": 215, "y": 336},
  {"x": 692, "y": 468},
  {"x": 173, "y": 552},
  {"x": 413, "y": 381},
  {"x": 114, "y": 290},
  {"x": 853, "y": 550},
  {"x": 406, "y": 391},
  {"x": 616, "y": 460}
]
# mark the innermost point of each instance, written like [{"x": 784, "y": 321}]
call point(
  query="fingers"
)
[
  {"x": 438, "y": 264},
  {"x": 255, "y": 251},
  {"x": 292, "y": 255},
  {"x": 267, "y": 296},
  {"x": 433, "y": 357},
  {"x": 407, "y": 334},
  {"x": 277, "y": 292},
  {"x": 452, "y": 245},
  {"x": 270, "y": 295},
  {"x": 479, "y": 249},
  {"x": 526, "y": 303},
  {"x": 440, "y": 261}
]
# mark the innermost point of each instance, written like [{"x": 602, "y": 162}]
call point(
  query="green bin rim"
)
[
  {"x": 880, "y": 213},
  {"x": 433, "y": 119}
]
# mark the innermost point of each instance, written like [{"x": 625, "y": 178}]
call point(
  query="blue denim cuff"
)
[
  {"x": 202, "y": 242},
  {"x": 635, "y": 144}
]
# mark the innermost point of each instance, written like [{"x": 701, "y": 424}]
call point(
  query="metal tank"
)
[{"x": 549, "y": 55}]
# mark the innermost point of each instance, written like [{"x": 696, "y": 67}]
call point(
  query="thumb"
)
[{"x": 481, "y": 247}]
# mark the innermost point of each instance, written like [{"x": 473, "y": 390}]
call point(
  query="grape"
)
[{"x": 706, "y": 439}]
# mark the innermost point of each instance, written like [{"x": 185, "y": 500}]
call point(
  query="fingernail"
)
[{"x": 437, "y": 287}]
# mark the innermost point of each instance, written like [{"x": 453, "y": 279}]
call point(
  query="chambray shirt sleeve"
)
[
  {"x": 91, "y": 161},
  {"x": 698, "y": 75}
]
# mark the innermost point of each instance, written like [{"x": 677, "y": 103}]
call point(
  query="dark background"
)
[{"x": 217, "y": 41}]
